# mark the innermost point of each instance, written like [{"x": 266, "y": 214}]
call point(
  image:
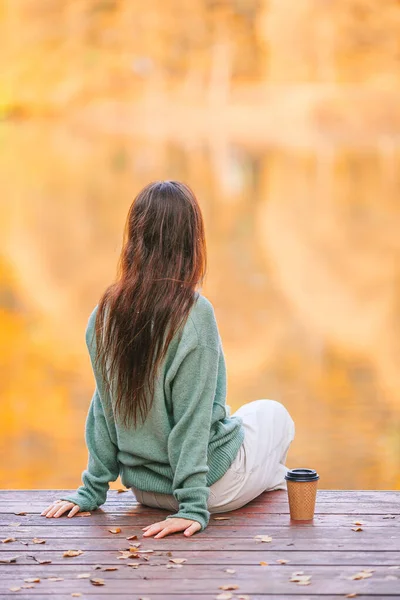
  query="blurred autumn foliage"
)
[{"x": 285, "y": 119}]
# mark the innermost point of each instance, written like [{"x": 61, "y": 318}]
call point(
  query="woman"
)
[{"x": 158, "y": 416}]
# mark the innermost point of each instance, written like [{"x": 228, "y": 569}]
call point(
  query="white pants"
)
[{"x": 258, "y": 467}]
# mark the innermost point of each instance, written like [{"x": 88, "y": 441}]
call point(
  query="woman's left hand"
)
[
  {"x": 173, "y": 525},
  {"x": 59, "y": 507}
]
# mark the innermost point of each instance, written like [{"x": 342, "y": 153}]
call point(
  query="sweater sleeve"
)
[
  {"x": 193, "y": 391},
  {"x": 102, "y": 464},
  {"x": 100, "y": 436}
]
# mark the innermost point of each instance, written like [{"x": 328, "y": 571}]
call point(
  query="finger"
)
[
  {"x": 58, "y": 510},
  {"x": 147, "y": 527},
  {"x": 52, "y": 510},
  {"x": 46, "y": 510},
  {"x": 171, "y": 527},
  {"x": 166, "y": 531},
  {"x": 52, "y": 505},
  {"x": 73, "y": 511},
  {"x": 153, "y": 529},
  {"x": 192, "y": 529},
  {"x": 62, "y": 510}
]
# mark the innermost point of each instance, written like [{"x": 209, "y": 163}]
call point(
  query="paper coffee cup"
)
[{"x": 302, "y": 491}]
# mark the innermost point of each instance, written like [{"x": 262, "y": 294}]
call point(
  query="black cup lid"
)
[{"x": 302, "y": 475}]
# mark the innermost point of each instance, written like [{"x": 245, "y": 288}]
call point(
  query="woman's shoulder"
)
[
  {"x": 91, "y": 328},
  {"x": 202, "y": 305},
  {"x": 202, "y": 322}
]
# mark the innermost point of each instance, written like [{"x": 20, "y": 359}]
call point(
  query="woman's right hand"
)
[{"x": 59, "y": 507}]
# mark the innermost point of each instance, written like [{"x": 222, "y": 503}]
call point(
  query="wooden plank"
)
[
  {"x": 234, "y": 556},
  {"x": 316, "y": 542},
  {"x": 324, "y": 580},
  {"x": 344, "y": 508},
  {"x": 289, "y": 532},
  {"x": 192, "y": 596},
  {"x": 275, "y": 496},
  {"x": 235, "y": 519},
  {"x": 157, "y": 569}
]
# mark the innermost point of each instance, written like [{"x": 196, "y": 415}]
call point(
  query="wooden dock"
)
[{"x": 330, "y": 558}]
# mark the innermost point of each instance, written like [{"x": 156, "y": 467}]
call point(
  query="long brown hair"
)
[{"x": 163, "y": 259}]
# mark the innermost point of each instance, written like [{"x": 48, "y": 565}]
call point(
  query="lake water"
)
[{"x": 303, "y": 274}]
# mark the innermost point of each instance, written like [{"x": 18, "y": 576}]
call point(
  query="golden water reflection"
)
[{"x": 303, "y": 274}]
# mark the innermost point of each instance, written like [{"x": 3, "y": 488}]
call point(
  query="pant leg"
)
[
  {"x": 258, "y": 466},
  {"x": 260, "y": 463},
  {"x": 156, "y": 500}
]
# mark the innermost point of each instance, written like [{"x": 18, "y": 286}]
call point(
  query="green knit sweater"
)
[{"x": 188, "y": 440}]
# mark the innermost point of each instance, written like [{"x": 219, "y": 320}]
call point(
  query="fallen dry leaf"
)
[
  {"x": 224, "y": 596},
  {"x": 173, "y": 566},
  {"x": 14, "y": 524},
  {"x": 144, "y": 598},
  {"x": 263, "y": 538},
  {"x": 145, "y": 551},
  {"x": 389, "y": 517},
  {"x": 229, "y": 586},
  {"x": 110, "y": 568},
  {"x": 72, "y": 553},
  {"x": 83, "y": 576},
  {"x": 361, "y": 575},
  {"x": 38, "y": 541},
  {"x": 358, "y": 523},
  {"x": 11, "y": 559},
  {"x": 14, "y": 589},
  {"x": 301, "y": 579},
  {"x": 20, "y": 514},
  {"x": 351, "y": 595},
  {"x": 85, "y": 513},
  {"x": 55, "y": 578},
  {"x": 263, "y": 563},
  {"x": 76, "y": 594},
  {"x": 169, "y": 553},
  {"x": 243, "y": 597},
  {"x": 44, "y": 561},
  {"x": 97, "y": 581},
  {"x": 133, "y": 565},
  {"x": 221, "y": 518},
  {"x": 282, "y": 561},
  {"x": 96, "y": 567},
  {"x": 121, "y": 491},
  {"x": 7, "y": 540},
  {"x": 126, "y": 554},
  {"x": 115, "y": 530},
  {"x": 132, "y": 537},
  {"x": 27, "y": 586},
  {"x": 178, "y": 561},
  {"x": 230, "y": 571},
  {"x": 32, "y": 580},
  {"x": 357, "y": 529}
]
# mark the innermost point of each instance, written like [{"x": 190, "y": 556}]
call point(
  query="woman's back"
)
[{"x": 188, "y": 440}]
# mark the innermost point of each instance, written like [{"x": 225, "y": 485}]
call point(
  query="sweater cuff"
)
[
  {"x": 202, "y": 519},
  {"x": 84, "y": 503}
]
